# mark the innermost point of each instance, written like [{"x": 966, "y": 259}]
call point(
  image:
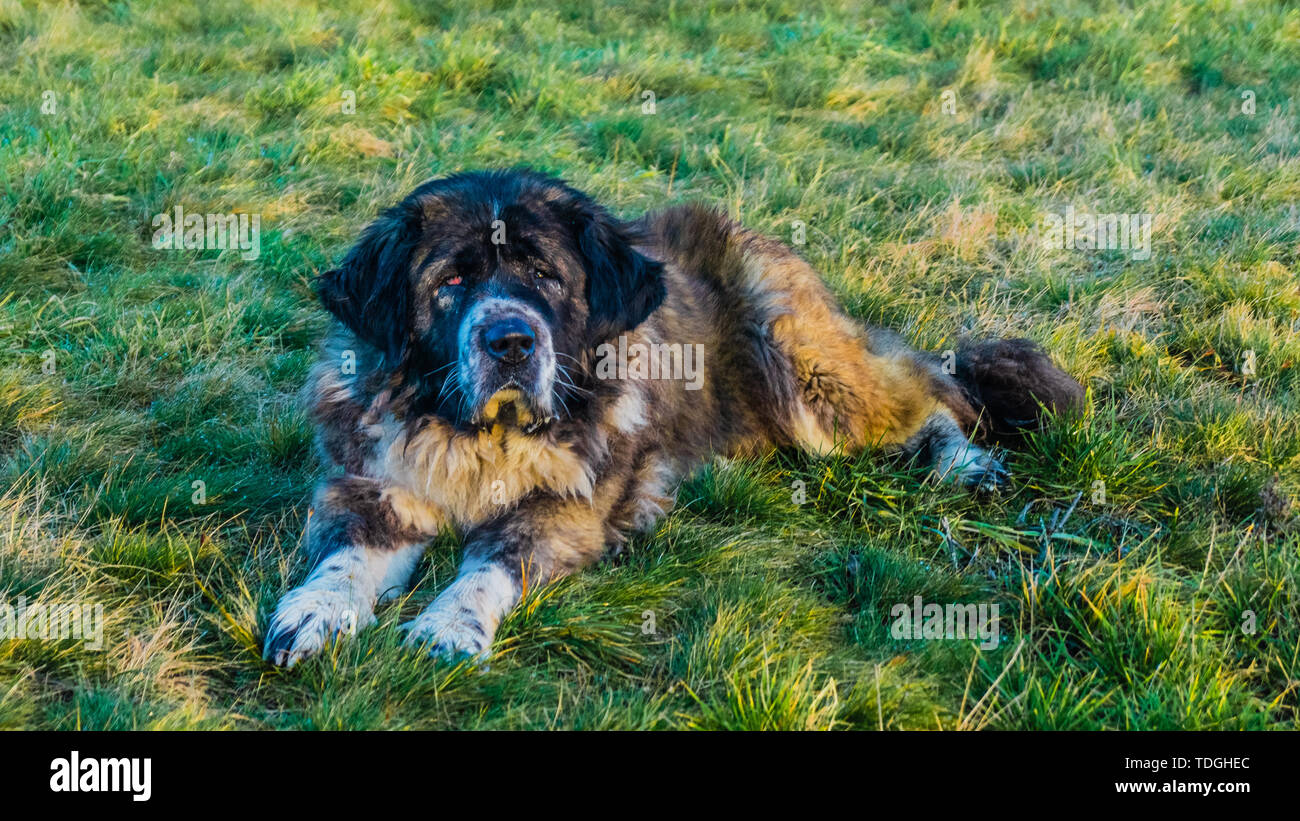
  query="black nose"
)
[{"x": 510, "y": 340}]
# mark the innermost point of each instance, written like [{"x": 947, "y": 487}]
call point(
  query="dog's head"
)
[{"x": 487, "y": 289}]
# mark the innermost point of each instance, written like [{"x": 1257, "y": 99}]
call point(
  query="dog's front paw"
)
[
  {"x": 307, "y": 618},
  {"x": 464, "y": 617},
  {"x": 448, "y": 631}
]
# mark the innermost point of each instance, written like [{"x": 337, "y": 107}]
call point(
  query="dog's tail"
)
[{"x": 1009, "y": 382}]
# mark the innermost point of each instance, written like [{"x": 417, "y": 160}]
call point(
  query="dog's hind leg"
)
[
  {"x": 850, "y": 389},
  {"x": 364, "y": 544},
  {"x": 832, "y": 383},
  {"x": 859, "y": 388},
  {"x": 892, "y": 399},
  {"x": 835, "y": 384}
]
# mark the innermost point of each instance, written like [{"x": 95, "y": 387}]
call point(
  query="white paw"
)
[
  {"x": 972, "y": 467},
  {"x": 308, "y": 617},
  {"x": 465, "y": 616},
  {"x": 985, "y": 474},
  {"x": 446, "y": 628}
]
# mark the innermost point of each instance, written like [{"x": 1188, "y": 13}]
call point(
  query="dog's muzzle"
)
[{"x": 507, "y": 366}]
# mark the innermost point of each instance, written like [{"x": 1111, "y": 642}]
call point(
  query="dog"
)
[{"x": 512, "y": 362}]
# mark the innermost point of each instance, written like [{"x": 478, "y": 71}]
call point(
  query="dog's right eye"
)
[{"x": 451, "y": 281}]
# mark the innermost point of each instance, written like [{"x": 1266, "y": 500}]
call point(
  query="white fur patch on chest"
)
[{"x": 467, "y": 477}]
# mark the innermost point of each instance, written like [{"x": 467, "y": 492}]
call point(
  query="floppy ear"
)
[
  {"x": 369, "y": 292},
  {"x": 623, "y": 285}
]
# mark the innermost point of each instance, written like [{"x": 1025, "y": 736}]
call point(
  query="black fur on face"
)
[
  {"x": 370, "y": 291},
  {"x": 488, "y": 291}
]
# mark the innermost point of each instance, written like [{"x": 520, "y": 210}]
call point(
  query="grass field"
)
[{"x": 1167, "y": 598}]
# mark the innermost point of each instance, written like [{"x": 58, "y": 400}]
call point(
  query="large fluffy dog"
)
[{"x": 514, "y": 363}]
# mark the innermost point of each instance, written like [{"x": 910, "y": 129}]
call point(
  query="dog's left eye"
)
[{"x": 452, "y": 281}]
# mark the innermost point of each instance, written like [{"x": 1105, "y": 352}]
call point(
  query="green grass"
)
[{"x": 171, "y": 367}]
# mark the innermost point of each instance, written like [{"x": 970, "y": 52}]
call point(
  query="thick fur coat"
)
[{"x": 514, "y": 363}]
